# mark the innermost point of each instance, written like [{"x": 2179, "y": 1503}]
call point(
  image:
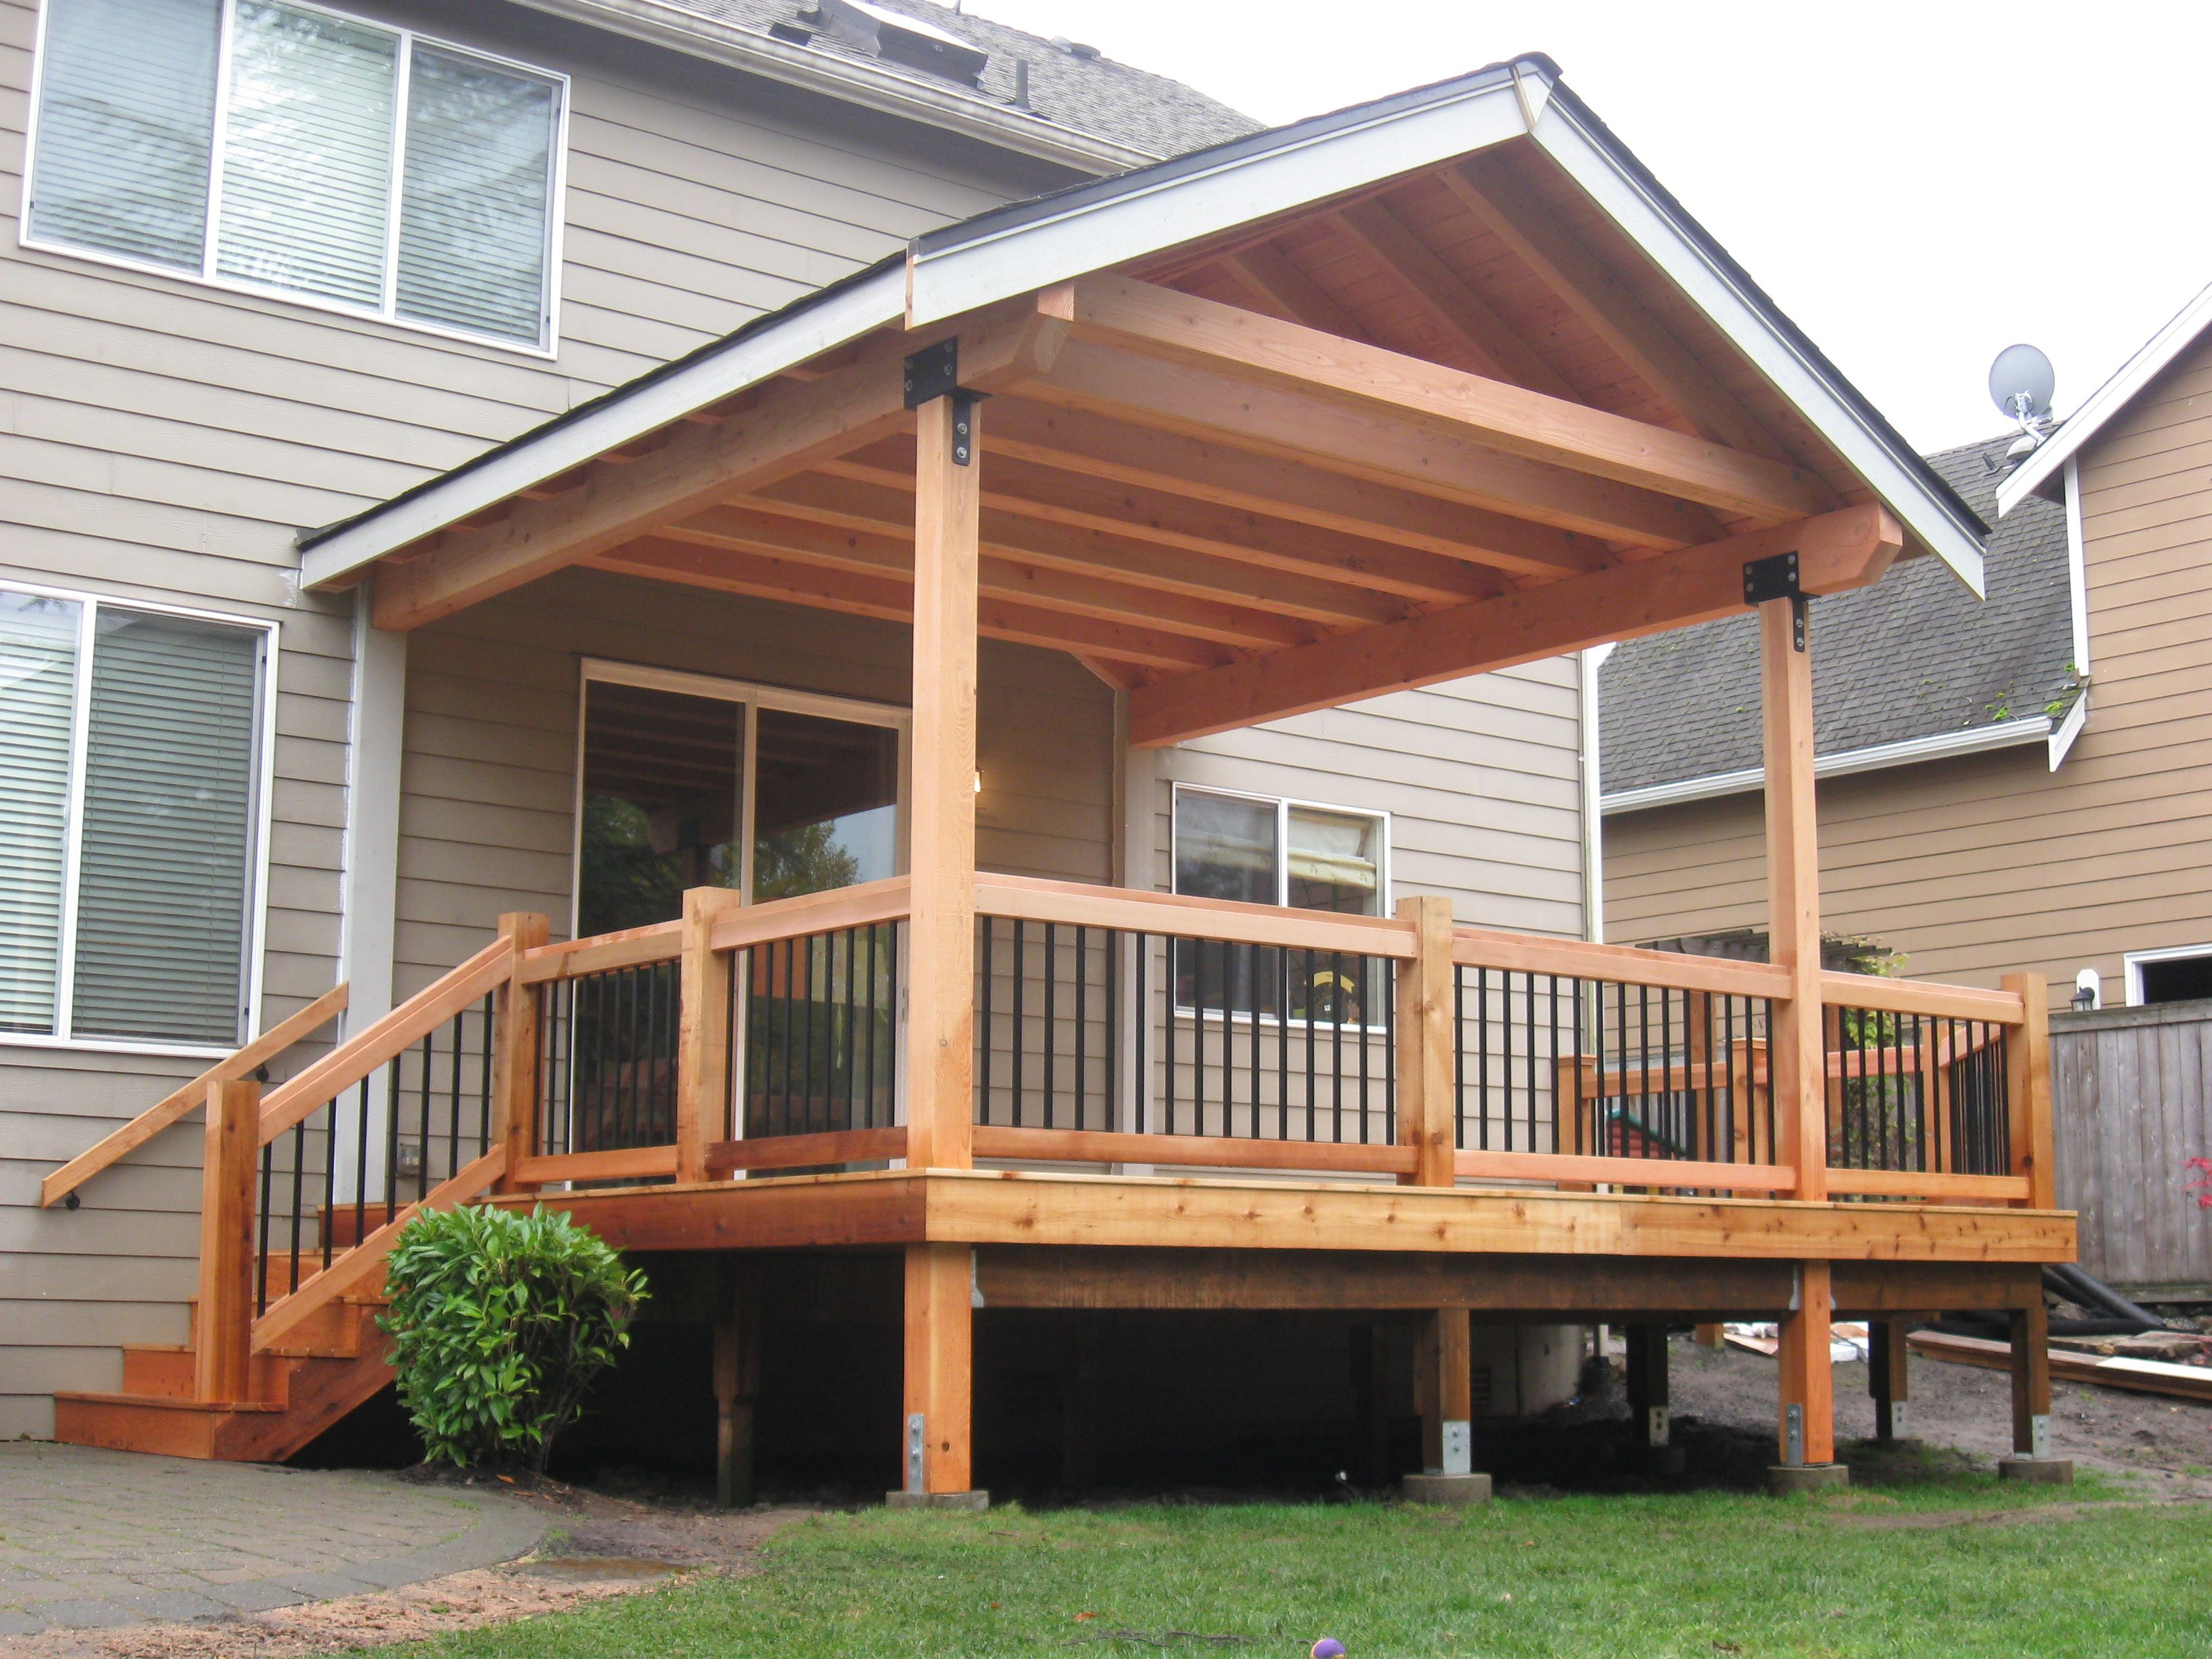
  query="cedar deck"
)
[{"x": 1472, "y": 408}]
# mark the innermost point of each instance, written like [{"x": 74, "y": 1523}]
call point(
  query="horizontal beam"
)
[
  {"x": 806, "y": 1151},
  {"x": 1202, "y": 1152},
  {"x": 1162, "y": 322},
  {"x": 791, "y": 425},
  {"x": 1835, "y": 552},
  {"x": 601, "y": 953},
  {"x": 1080, "y": 904},
  {"x": 1627, "y": 964},
  {"x": 1625, "y": 1171},
  {"x": 621, "y": 1163}
]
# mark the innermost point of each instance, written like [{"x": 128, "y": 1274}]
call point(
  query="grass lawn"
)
[{"x": 1952, "y": 1565}]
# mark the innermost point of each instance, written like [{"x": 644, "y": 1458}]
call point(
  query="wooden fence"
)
[{"x": 2132, "y": 1093}]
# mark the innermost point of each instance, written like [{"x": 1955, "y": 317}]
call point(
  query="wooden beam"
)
[
  {"x": 1584, "y": 284},
  {"x": 1427, "y": 1042},
  {"x": 730, "y": 571},
  {"x": 515, "y": 1057},
  {"x": 2028, "y": 1090},
  {"x": 1161, "y": 323},
  {"x": 1837, "y": 551},
  {"x": 1091, "y": 593},
  {"x": 2031, "y": 1378},
  {"x": 222, "y": 1356},
  {"x": 1805, "y": 1430},
  {"x": 706, "y": 990},
  {"x": 1318, "y": 594},
  {"x": 1074, "y": 440},
  {"x": 1796, "y": 1047},
  {"x": 794, "y": 424},
  {"x": 737, "y": 1338},
  {"x": 1392, "y": 448},
  {"x": 1447, "y": 1360},
  {"x": 1450, "y": 303},
  {"x": 1269, "y": 272},
  {"x": 936, "y": 1442}
]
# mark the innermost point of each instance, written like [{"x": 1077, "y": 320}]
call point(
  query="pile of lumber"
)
[{"x": 2143, "y": 1376}]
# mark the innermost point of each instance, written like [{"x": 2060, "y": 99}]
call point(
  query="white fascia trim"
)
[
  {"x": 2108, "y": 400},
  {"x": 2077, "y": 568},
  {"x": 1033, "y": 253},
  {"x": 1623, "y": 199},
  {"x": 2069, "y": 728},
  {"x": 1974, "y": 740},
  {"x": 1586, "y": 663},
  {"x": 833, "y": 321},
  {"x": 999, "y": 125}
]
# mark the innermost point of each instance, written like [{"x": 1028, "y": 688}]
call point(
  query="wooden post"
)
[
  {"x": 736, "y": 1381},
  {"x": 1446, "y": 1352},
  {"x": 1886, "y": 1379},
  {"x": 2030, "y": 1380},
  {"x": 1647, "y": 1386},
  {"x": 1807, "y": 1426},
  {"x": 1796, "y": 1063},
  {"x": 222, "y": 1358},
  {"x": 936, "y": 1455},
  {"x": 702, "y": 1034},
  {"x": 1427, "y": 1106},
  {"x": 514, "y": 1052},
  {"x": 2027, "y": 1091},
  {"x": 941, "y": 998}
]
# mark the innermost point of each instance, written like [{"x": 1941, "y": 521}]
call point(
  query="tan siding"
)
[{"x": 1978, "y": 867}]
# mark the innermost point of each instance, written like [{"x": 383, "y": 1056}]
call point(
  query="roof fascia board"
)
[
  {"x": 699, "y": 36},
  {"x": 2106, "y": 401},
  {"x": 1974, "y": 740},
  {"x": 1100, "y": 227},
  {"x": 1595, "y": 162},
  {"x": 2069, "y": 728},
  {"x": 2077, "y": 567},
  {"x": 840, "y": 317}
]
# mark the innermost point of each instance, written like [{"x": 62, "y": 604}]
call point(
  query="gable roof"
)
[
  {"x": 1912, "y": 660},
  {"x": 2038, "y": 473},
  {"x": 1226, "y": 190}
]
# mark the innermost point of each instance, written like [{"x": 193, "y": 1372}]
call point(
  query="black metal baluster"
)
[
  {"x": 1336, "y": 1039},
  {"x": 1051, "y": 1022},
  {"x": 261, "y": 1238},
  {"x": 299, "y": 1160},
  {"x": 1143, "y": 1081},
  {"x": 1482, "y": 1061},
  {"x": 1021, "y": 1037},
  {"x": 1281, "y": 958}
]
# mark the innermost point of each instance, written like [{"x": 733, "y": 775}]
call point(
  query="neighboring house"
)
[
  {"x": 275, "y": 264},
  {"x": 2018, "y": 782}
]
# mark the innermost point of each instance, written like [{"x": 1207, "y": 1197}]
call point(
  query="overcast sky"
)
[{"x": 1918, "y": 185}]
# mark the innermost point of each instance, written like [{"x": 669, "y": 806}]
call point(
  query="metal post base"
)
[
  {"x": 2037, "y": 1471},
  {"x": 1786, "y": 1480},
  {"x": 1445, "y": 1489},
  {"x": 976, "y": 1501}
]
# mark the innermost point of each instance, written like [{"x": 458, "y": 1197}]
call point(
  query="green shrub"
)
[{"x": 500, "y": 1321}]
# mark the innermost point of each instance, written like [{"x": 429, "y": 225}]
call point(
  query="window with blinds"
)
[
  {"x": 130, "y": 759},
  {"x": 291, "y": 150}
]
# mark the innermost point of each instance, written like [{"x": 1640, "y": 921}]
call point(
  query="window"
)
[
  {"x": 131, "y": 746},
  {"x": 1256, "y": 850},
  {"x": 2183, "y": 974},
  {"x": 287, "y": 149}
]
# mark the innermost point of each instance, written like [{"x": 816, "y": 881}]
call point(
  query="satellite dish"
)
[{"x": 2021, "y": 381}]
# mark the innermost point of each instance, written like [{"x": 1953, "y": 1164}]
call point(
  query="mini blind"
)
[
  {"x": 168, "y": 842},
  {"x": 126, "y": 120},
  {"x": 478, "y": 183},
  {"x": 307, "y": 160},
  {"x": 37, "y": 700}
]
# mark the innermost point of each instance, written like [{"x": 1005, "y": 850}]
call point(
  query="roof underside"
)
[
  {"x": 1914, "y": 656},
  {"x": 1279, "y": 444}
]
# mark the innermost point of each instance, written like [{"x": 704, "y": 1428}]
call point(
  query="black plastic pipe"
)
[{"x": 2088, "y": 1291}]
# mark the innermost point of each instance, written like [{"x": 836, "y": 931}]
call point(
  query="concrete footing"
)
[
  {"x": 1445, "y": 1489},
  {"x": 1785, "y": 1480},
  {"x": 976, "y": 1500},
  {"x": 2037, "y": 1471}
]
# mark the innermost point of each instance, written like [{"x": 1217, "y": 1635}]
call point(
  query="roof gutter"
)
[
  {"x": 660, "y": 24},
  {"x": 1974, "y": 740}
]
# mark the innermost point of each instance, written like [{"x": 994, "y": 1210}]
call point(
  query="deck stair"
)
[{"x": 298, "y": 1212}]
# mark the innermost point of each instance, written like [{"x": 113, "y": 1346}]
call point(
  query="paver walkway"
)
[{"x": 93, "y": 1538}]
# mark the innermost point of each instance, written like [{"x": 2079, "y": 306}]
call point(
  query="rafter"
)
[
  {"x": 1268, "y": 270},
  {"x": 793, "y": 425},
  {"x": 1199, "y": 403},
  {"x": 763, "y": 577},
  {"x": 1835, "y": 552},
  {"x": 1582, "y": 282},
  {"x": 1457, "y": 308},
  {"x": 1177, "y": 327}
]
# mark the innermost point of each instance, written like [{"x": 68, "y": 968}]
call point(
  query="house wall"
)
[
  {"x": 1981, "y": 866},
  {"x": 164, "y": 440}
]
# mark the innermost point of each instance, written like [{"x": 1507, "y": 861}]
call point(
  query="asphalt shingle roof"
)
[
  {"x": 1914, "y": 656},
  {"x": 1089, "y": 94}
]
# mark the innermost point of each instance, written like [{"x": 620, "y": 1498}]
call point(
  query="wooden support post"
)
[
  {"x": 1807, "y": 1425},
  {"x": 737, "y": 1379},
  {"x": 1796, "y": 1060},
  {"x": 2028, "y": 1090},
  {"x": 2030, "y": 1380},
  {"x": 1886, "y": 1379},
  {"x": 222, "y": 1356},
  {"x": 1447, "y": 1355},
  {"x": 935, "y": 1454},
  {"x": 1427, "y": 1104},
  {"x": 1647, "y": 1386},
  {"x": 1709, "y": 1336},
  {"x": 514, "y": 1054},
  {"x": 941, "y": 998},
  {"x": 705, "y": 994}
]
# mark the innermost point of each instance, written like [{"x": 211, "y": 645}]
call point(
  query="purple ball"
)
[{"x": 1328, "y": 1648}]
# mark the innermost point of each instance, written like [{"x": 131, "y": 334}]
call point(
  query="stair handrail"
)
[{"x": 172, "y": 1106}]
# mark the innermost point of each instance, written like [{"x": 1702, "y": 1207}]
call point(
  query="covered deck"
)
[{"x": 1429, "y": 388}]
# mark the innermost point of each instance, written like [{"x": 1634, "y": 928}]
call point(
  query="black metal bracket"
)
[
  {"x": 1776, "y": 578},
  {"x": 933, "y": 372}
]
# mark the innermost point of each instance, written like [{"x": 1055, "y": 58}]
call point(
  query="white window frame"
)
[
  {"x": 2134, "y": 962},
  {"x": 547, "y": 344},
  {"x": 262, "y": 771},
  {"x": 752, "y": 697},
  {"x": 1283, "y": 804}
]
